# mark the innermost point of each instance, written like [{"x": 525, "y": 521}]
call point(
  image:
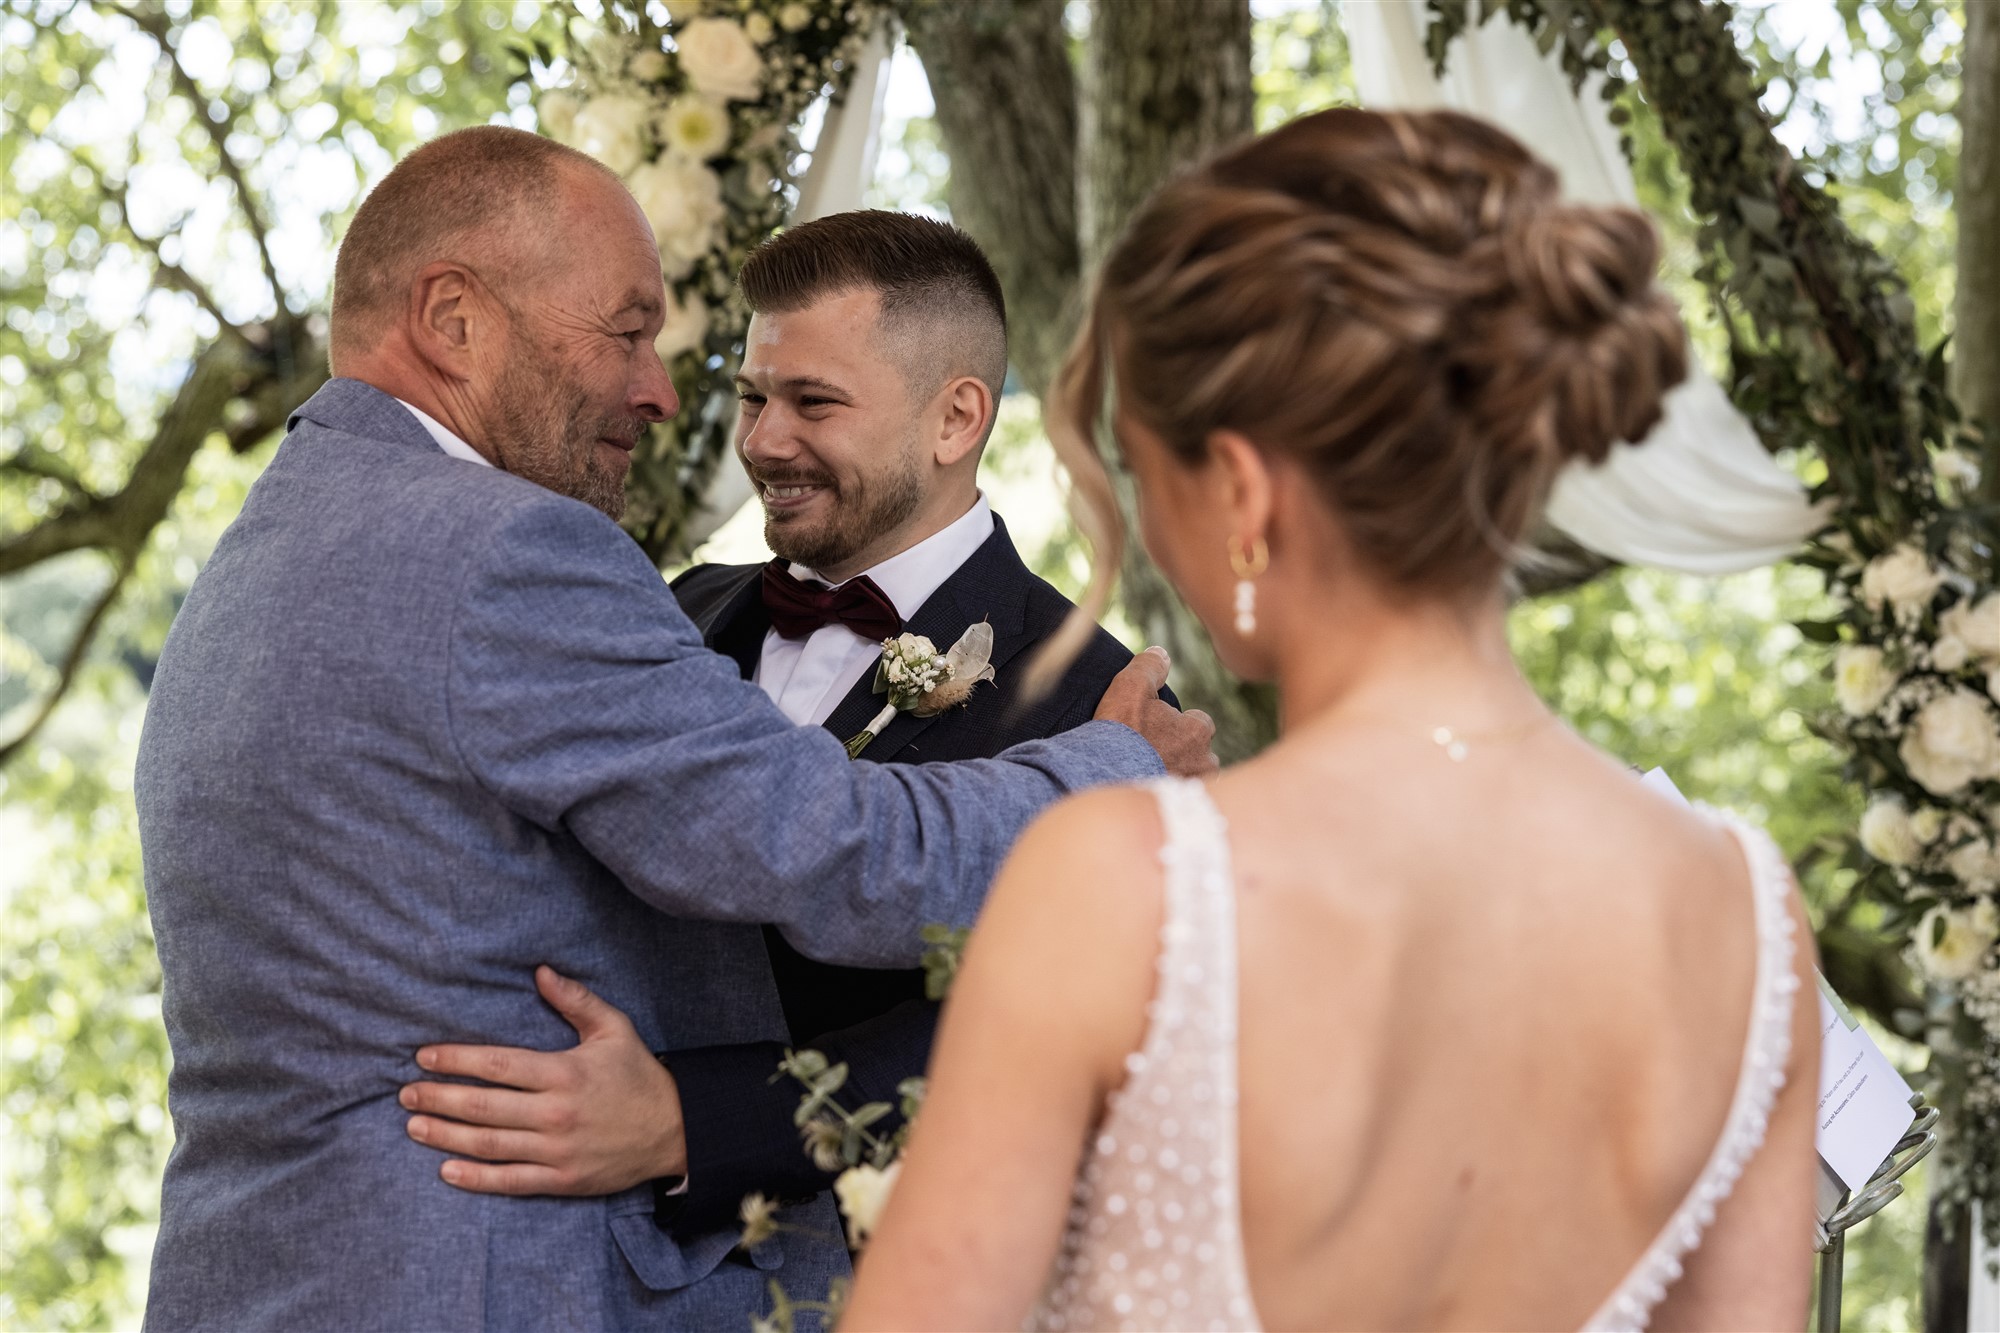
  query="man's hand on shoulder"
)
[
  {"x": 1184, "y": 740},
  {"x": 597, "y": 1118}
]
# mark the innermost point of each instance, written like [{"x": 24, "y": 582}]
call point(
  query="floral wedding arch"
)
[{"x": 700, "y": 112}]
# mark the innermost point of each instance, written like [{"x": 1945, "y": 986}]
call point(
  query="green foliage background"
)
[{"x": 1704, "y": 678}]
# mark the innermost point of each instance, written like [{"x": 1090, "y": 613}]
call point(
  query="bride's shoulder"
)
[{"x": 1113, "y": 830}]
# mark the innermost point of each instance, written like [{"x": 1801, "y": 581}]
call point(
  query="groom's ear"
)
[
  {"x": 966, "y": 420},
  {"x": 442, "y": 315}
]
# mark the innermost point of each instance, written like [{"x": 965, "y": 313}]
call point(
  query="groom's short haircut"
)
[
  {"x": 487, "y": 182},
  {"x": 942, "y": 311}
]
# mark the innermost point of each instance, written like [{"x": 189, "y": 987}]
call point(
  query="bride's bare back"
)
[{"x": 1492, "y": 1016}]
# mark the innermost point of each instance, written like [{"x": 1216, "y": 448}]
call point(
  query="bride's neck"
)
[{"x": 1416, "y": 664}]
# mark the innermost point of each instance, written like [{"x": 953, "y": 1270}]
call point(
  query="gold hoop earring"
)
[{"x": 1247, "y": 565}]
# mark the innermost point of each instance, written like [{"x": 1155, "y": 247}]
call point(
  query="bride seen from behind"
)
[{"x": 1430, "y": 1016}]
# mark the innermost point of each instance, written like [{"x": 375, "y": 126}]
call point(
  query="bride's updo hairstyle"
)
[{"x": 1399, "y": 302}]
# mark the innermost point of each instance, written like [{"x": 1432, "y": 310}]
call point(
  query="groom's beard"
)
[
  {"x": 862, "y": 511},
  {"x": 547, "y": 434}
]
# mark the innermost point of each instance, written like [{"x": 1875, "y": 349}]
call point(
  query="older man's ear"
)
[{"x": 444, "y": 307}]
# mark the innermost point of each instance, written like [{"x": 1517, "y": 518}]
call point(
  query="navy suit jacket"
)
[{"x": 740, "y": 1134}]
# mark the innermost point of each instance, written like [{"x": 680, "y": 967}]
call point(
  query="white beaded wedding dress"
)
[{"x": 1154, "y": 1239}]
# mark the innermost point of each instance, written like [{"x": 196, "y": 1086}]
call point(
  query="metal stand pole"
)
[
  {"x": 1831, "y": 1261},
  {"x": 1885, "y": 1185}
]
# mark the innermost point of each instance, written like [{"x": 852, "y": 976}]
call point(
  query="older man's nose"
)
[{"x": 653, "y": 396}]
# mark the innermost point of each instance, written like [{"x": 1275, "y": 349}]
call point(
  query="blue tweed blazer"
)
[{"x": 419, "y": 726}]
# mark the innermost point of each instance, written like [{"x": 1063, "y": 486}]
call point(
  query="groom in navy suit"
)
[{"x": 869, "y": 387}]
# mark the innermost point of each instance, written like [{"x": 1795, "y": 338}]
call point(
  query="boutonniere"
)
[{"x": 919, "y": 679}]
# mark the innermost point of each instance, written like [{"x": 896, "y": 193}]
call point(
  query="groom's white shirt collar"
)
[
  {"x": 446, "y": 441},
  {"x": 808, "y": 677},
  {"x": 910, "y": 577}
]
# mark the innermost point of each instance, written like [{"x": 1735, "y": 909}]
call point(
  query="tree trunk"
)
[
  {"x": 1006, "y": 107},
  {"x": 1043, "y": 180},
  {"x": 1164, "y": 85},
  {"x": 1947, "y": 1263},
  {"x": 1976, "y": 351}
]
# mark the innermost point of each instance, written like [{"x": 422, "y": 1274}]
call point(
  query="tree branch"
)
[
  {"x": 122, "y": 522},
  {"x": 44, "y": 466},
  {"x": 1006, "y": 108},
  {"x": 173, "y": 274},
  {"x": 157, "y": 25},
  {"x": 72, "y": 663}
]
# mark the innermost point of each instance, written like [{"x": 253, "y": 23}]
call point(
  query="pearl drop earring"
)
[{"x": 1247, "y": 565}]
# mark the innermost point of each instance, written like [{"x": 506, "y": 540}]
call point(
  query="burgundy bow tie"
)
[{"x": 798, "y": 608}]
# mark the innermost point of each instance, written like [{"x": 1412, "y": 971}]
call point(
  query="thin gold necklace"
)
[{"x": 1457, "y": 745}]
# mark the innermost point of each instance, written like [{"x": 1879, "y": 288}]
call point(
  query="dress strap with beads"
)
[
  {"x": 1765, "y": 1052},
  {"x": 1154, "y": 1240}
]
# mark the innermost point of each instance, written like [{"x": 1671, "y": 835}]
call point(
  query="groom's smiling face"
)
[{"x": 831, "y": 435}]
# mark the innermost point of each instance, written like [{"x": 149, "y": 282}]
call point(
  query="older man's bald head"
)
[{"x": 488, "y": 193}]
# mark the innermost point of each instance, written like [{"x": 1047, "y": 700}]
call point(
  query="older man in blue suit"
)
[{"x": 428, "y": 719}]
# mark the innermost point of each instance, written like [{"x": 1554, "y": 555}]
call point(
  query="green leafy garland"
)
[{"x": 1824, "y": 359}]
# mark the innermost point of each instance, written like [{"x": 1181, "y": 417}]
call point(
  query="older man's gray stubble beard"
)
[
  {"x": 545, "y": 434},
  {"x": 881, "y": 505}
]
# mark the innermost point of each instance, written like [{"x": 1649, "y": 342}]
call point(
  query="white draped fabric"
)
[{"x": 1702, "y": 496}]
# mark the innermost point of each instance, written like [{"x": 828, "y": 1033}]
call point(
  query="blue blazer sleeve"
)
[{"x": 582, "y": 698}]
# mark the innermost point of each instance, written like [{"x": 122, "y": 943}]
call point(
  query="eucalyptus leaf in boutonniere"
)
[{"x": 919, "y": 679}]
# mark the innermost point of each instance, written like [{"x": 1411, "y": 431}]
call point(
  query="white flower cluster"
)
[
  {"x": 912, "y": 667},
  {"x": 1924, "y": 687},
  {"x": 700, "y": 126}
]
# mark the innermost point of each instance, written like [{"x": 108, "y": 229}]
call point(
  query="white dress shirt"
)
[
  {"x": 808, "y": 677},
  {"x": 446, "y": 441}
]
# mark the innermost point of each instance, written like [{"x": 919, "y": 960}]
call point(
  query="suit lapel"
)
[
  {"x": 991, "y": 585},
  {"x": 737, "y": 626}
]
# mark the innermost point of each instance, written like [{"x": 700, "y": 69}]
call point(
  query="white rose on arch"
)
[
  {"x": 720, "y": 59},
  {"x": 612, "y": 130},
  {"x": 1976, "y": 864},
  {"x": 1951, "y": 943},
  {"x": 1887, "y": 833},
  {"x": 685, "y": 328},
  {"x": 1977, "y": 626},
  {"x": 1904, "y": 577},
  {"x": 556, "y": 112},
  {"x": 1952, "y": 741},
  {"x": 694, "y": 126},
  {"x": 683, "y": 201},
  {"x": 1861, "y": 679}
]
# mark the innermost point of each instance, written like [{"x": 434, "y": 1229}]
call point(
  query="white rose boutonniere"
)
[
  {"x": 1952, "y": 741},
  {"x": 1862, "y": 679},
  {"x": 1903, "y": 577},
  {"x": 720, "y": 59},
  {"x": 919, "y": 679}
]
